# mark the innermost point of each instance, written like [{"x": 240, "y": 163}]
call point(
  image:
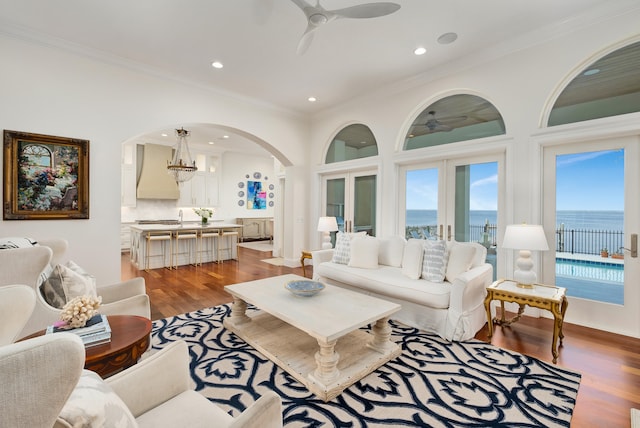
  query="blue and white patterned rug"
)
[{"x": 433, "y": 383}]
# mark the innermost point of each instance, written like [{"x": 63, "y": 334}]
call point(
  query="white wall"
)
[
  {"x": 50, "y": 91},
  {"x": 232, "y": 169}
]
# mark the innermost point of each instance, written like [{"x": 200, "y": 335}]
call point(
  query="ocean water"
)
[{"x": 579, "y": 220}]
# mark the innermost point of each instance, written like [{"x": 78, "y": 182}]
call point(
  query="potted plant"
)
[{"x": 604, "y": 252}]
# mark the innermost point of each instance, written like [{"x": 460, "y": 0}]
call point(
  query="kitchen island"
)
[{"x": 171, "y": 245}]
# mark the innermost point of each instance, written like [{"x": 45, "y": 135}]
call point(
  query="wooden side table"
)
[
  {"x": 130, "y": 338},
  {"x": 305, "y": 255},
  {"x": 540, "y": 296}
]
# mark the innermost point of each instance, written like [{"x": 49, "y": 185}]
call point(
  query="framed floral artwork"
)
[{"x": 45, "y": 177}]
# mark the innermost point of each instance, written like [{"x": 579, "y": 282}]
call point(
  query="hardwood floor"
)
[{"x": 609, "y": 363}]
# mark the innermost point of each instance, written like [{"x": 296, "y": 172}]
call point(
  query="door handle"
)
[
  {"x": 440, "y": 235},
  {"x": 634, "y": 245},
  {"x": 449, "y": 232}
]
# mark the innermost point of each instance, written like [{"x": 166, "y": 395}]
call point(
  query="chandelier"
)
[{"x": 182, "y": 169}]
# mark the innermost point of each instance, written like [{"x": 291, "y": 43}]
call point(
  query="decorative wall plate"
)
[
  {"x": 271, "y": 186},
  {"x": 241, "y": 184},
  {"x": 240, "y": 194},
  {"x": 257, "y": 175},
  {"x": 246, "y": 176},
  {"x": 270, "y": 203},
  {"x": 241, "y": 202},
  {"x": 271, "y": 195}
]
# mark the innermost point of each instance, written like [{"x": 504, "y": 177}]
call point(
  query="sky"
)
[
  {"x": 422, "y": 188},
  {"x": 590, "y": 181}
]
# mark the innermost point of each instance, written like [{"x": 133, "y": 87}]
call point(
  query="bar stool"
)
[
  {"x": 227, "y": 237},
  {"x": 164, "y": 238},
  {"x": 207, "y": 243},
  {"x": 185, "y": 235}
]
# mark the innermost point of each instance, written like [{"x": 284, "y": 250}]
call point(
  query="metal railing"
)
[{"x": 574, "y": 241}]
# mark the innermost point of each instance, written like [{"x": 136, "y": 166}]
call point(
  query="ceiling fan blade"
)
[
  {"x": 367, "y": 10},
  {"x": 306, "y": 39},
  {"x": 302, "y": 4}
]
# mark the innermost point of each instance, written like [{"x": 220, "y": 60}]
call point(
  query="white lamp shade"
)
[
  {"x": 525, "y": 237},
  {"x": 327, "y": 224}
]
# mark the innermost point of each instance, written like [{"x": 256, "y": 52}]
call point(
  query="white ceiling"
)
[{"x": 256, "y": 40}]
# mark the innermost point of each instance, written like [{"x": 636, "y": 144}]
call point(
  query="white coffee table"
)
[{"x": 315, "y": 339}]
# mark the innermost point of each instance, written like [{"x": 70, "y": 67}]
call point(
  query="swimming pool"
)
[
  {"x": 584, "y": 269},
  {"x": 591, "y": 280}
]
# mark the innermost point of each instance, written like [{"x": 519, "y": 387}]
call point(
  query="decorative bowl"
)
[{"x": 304, "y": 288}]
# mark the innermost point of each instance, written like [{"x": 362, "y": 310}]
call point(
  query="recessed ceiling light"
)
[
  {"x": 164, "y": 135},
  {"x": 312, "y": 99},
  {"x": 225, "y": 136},
  {"x": 420, "y": 51},
  {"x": 216, "y": 64},
  {"x": 591, "y": 72},
  {"x": 447, "y": 38},
  {"x": 211, "y": 142}
]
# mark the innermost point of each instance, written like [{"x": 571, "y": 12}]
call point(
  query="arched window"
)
[
  {"x": 38, "y": 156},
  {"x": 352, "y": 142},
  {"x": 455, "y": 118},
  {"x": 607, "y": 87}
]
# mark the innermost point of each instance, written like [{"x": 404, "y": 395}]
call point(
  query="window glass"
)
[
  {"x": 455, "y": 118},
  {"x": 607, "y": 87},
  {"x": 352, "y": 142}
]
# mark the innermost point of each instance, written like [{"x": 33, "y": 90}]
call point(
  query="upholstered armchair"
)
[
  {"x": 16, "y": 306},
  {"x": 44, "y": 384},
  {"x": 27, "y": 265}
]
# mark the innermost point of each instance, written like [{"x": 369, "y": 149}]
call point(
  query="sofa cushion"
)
[
  {"x": 387, "y": 281},
  {"x": 434, "y": 260},
  {"x": 391, "y": 251},
  {"x": 364, "y": 252},
  {"x": 94, "y": 404},
  {"x": 461, "y": 257},
  {"x": 63, "y": 284},
  {"x": 412, "y": 258},
  {"x": 342, "y": 250}
]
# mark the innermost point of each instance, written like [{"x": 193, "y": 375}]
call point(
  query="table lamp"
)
[
  {"x": 526, "y": 238},
  {"x": 327, "y": 225}
]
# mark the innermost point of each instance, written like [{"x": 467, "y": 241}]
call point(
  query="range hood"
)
[{"x": 155, "y": 182}]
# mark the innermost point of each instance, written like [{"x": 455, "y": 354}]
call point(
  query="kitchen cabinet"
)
[
  {"x": 128, "y": 176},
  {"x": 255, "y": 228},
  {"x": 201, "y": 191}
]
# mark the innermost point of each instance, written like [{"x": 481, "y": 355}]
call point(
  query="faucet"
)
[{"x": 180, "y": 215}]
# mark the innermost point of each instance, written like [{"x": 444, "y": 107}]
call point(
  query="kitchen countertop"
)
[{"x": 187, "y": 225}]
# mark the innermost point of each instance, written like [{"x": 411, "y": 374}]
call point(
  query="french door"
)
[
  {"x": 591, "y": 204},
  {"x": 351, "y": 198},
  {"x": 454, "y": 199}
]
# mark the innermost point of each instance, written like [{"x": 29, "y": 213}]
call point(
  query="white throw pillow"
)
[
  {"x": 412, "y": 258},
  {"x": 364, "y": 252},
  {"x": 77, "y": 269},
  {"x": 460, "y": 260},
  {"x": 391, "y": 251},
  {"x": 434, "y": 261},
  {"x": 342, "y": 250},
  {"x": 94, "y": 404},
  {"x": 63, "y": 284},
  {"x": 9, "y": 243}
]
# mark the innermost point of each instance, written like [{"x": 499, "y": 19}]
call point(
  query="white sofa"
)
[{"x": 394, "y": 269}]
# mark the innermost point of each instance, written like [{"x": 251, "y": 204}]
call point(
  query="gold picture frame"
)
[{"x": 45, "y": 177}]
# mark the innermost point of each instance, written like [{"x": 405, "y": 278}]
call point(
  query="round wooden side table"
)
[{"x": 130, "y": 338}]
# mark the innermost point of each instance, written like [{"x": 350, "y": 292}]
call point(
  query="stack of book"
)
[{"x": 96, "y": 332}]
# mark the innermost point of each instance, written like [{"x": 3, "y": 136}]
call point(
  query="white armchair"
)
[
  {"x": 16, "y": 306},
  {"x": 25, "y": 265},
  {"x": 156, "y": 392}
]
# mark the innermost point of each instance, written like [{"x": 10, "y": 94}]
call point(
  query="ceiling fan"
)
[
  {"x": 318, "y": 16},
  {"x": 434, "y": 124}
]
